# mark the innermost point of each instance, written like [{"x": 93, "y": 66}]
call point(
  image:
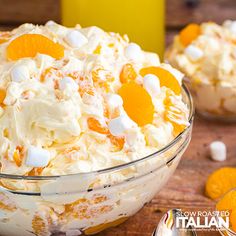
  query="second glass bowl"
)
[{"x": 213, "y": 101}]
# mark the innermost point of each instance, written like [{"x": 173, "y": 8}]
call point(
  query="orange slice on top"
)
[
  {"x": 28, "y": 45},
  {"x": 137, "y": 103},
  {"x": 166, "y": 78},
  {"x": 189, "y": 34}
]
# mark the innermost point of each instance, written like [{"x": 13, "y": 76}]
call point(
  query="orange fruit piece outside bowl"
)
[
  {"x": 228, "y": 203},
  {"x": 220, "y": 182},
  {"x": 28, "y": 45},
  {"x": 165, "y": 77}
]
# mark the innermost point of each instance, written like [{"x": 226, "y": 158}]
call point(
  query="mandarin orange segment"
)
[
  {"x": 96, "y": 126},
  {"x": 227, "y": 202},
  {"x": 118, "y": 142},
  {"x": 165, "y": 77},
  {"x": 28, "y": 45},
  {"x": 35, "y": 171},
  {"x": 137, "y": 103},
  {"x": 232, "y": 219},
  {"x": 39, "y": 226},
  {"x": 220, "y": 182},
  {"x": 127, "y": 74},
  {"x": 174, "y": 115},
  {"x": 189, "y": 34},
  {"x": 2, "y": 95},
  {"x": 98, "y": 228},
  {"x": 18, "y": 155}
]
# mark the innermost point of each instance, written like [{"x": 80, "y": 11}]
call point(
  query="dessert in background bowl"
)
[
  {"x": 206, "y": 53},
  {"x": 91, "y": 128}
]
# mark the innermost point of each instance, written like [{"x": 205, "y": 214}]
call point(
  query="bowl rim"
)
[{"x": 185, "y": 91}]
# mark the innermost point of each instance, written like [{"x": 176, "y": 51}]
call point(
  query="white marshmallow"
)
[
  {"x": 232, "y": 27},
  {"x": 20, "y": 73},
  {"x": 194, "y": 53},
  {"x": 134, "y": 52},
  {"x": 152, "y": 59},
  {"x": 152, "y": 84},
  {"x": 37, "y": 157},
  {"x": 218, "y": 151},
  {"x": 68, "y": 82},
  {"x": 114, "y": 101},
  {"x": 76, "y": 39},
  {"x": 50, "y": 22},
  {"x": 119, "y": 125}
]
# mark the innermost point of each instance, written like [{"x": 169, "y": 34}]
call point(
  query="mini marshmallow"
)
[
  {"x": 152, "y": 84},
  {"x": 119, "y": 125},
  {"x": 50, "y": 22},
  {"x": 193, "y": 52},
  {"x": 37, "y": 157},
  {"x": 76, "y": 39},
  {"x": 232, "y": 27},
  {"x": 20, "y": 73},
  {"x": 218, "y": 151},
  {"x": 134, "y": 52},
  {"x": 68, "y": 82},
  {"x": 114, "y": 101}
]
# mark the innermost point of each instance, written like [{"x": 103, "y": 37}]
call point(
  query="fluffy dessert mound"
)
[
  {"x": 81, "y": 99},
  {"x": 206, "y": 54}
]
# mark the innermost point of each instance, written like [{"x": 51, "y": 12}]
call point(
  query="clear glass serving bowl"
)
[
  {"x": 87, "y": 203},
  {"x": 213, "y": 101}
]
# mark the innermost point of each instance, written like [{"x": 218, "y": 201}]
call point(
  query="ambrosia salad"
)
[
  {"x": 98, "y": 105},
  {"x": 77, "y": 100},
  {"x": 206, "y": 53}
]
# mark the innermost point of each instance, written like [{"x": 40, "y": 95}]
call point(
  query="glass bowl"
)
[
  {"x": 87, "y": 203},
  {"x": 213, "y": 101}
]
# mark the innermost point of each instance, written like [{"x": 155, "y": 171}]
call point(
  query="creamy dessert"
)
[
  {"x": 206, "y": 54},
  {"x": 79, "y": 100}
]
